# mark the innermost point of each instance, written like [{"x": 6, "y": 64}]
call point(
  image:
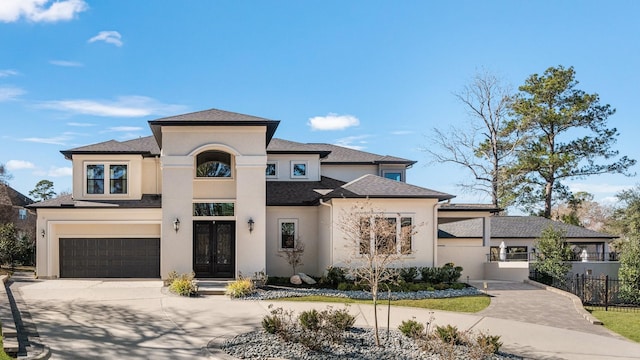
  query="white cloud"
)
[
  {"x": 110, "y": 37},
  {"x": 66, "y": 63},
  {"x": 402, "y": 132},
  {"x": 40, "y": 10},
  {"x": 333, "y": 122},
  {"x": 356, "y": 142},
  {"x": 60, "y": 171},
  {"x": 124, "y": 106},
  {"x": 124, "y": 128},
  {"x": 19, "y": 164},
  {"x": 56, "y": 140},
  {"x": 8, "y": 93},
  {"x": 8, "y": 72},
  {"x": 80, "y": 124}
]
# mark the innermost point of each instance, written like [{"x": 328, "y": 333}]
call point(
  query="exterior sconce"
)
[
  {"x": 42, "y": 233},
  {"x": 250, "y": 223},
  {"x": 176, "y": 224}
]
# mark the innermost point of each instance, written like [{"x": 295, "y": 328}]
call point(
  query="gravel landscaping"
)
[
  {"x": 275, "y": 292},
  {"x": 358, "y": 344}
]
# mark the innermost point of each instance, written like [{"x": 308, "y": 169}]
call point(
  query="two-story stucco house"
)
[{"x": 215, "y": 193}]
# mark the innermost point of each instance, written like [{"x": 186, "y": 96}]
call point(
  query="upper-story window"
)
[
  {"x": 117, "y": 180},
  {"x": 272, "y": 169},
  {"x": 213, "y": 164},
  {"x": 393, "y": 175},
  {"x": 22, "y": 214},
  {"x": 299, "y": 169}
]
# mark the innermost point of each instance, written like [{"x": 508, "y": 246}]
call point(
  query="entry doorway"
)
[{"x": 214, "y": 249}]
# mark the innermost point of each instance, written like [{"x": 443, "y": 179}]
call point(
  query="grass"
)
[
  {"x": 466, "y": 304},
  {"x": 3, "y": 355},
  {"x": 626, "y": 324}
]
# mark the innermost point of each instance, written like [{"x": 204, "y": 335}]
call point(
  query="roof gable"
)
[{"x": 11, "y": 197}]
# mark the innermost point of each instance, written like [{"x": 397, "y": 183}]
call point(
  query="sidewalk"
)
[{"x": 93, "y": 319}]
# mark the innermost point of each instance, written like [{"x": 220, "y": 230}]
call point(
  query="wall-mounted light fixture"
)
[
  {"x": 176, "y": 224},
  {"x": 42, "y": 233},
  {"x": 250, "y": 223}
]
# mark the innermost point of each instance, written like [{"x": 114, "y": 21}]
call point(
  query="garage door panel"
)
[{"x": 109, "y": 258}]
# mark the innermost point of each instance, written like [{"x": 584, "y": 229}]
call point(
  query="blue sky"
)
[{"x": 377, "y": 75}]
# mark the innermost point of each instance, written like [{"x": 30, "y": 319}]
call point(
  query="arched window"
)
[{"x": 213, "y": 164}]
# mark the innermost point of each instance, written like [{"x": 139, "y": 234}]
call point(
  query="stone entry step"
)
[{"x": 212, "y": 287}]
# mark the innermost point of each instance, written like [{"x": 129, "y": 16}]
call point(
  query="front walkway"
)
[{"x": 94, "y": 319}]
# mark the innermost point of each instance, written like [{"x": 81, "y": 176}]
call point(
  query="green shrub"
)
[
  {"x": 411, "y": 329},
  {"x": 490, "y": 342},
  {"x": 448, "y": 334},
  {"x": 271, "y": 324},
  {"x": 310, "y": 319},
  {"x": 335, "y": 276},
  {"x": 339, "y": 319},
  {"x": 458, "y": 286},
  {"x": 279, "y": 323},
  {"x": 409, "y": 274},
  {"x": 182, "y": 284},
  {"x": 239, "y": 288},
  {"x": 449, "y": 273}
]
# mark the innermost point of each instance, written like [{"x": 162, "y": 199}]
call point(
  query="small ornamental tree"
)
[
  {"x": 376, "y": 248},
  {"x": 293, "y": 256},
  {"x": 553, "y": 254},
  {"x": 629, "y": 272}
]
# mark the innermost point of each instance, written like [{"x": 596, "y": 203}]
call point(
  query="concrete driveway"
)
[{"x": 94, "y": 319}]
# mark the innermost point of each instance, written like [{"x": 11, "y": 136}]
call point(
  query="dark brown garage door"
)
[{"x": 110, "y": 258}]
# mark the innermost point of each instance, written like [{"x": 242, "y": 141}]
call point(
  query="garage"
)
[{"x": 109, "y": 258}]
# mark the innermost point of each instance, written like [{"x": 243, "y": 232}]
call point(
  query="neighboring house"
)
[
  {"x": 13, "y": 209},
  {"x": 215, "y": 193},
  {"x": 461, "y": 242}
]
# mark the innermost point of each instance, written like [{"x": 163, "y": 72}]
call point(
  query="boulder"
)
[
  {"x": 295, "y": 280},
  {"x": 306, "y": 278}
]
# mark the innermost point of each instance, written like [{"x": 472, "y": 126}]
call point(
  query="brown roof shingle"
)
[{"x": 378, "y": 187}]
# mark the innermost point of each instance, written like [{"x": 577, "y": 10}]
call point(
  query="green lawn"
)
[
  {"x": 467, "y": 304},
  {"x": 626, "y": 324},
  {"x": 3, "y": 355}
]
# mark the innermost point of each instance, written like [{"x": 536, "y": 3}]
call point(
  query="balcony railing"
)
[{"x": 530, "y": 256}]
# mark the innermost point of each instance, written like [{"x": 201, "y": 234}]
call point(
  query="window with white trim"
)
[
  {"x": 272, "y": 169},
  {"x": 213, "y": 164},
  {"x": 299, "y": 169},
  {"x": 386, "y": 233},
  {"x": 287, "y": 233},
  {"x": 397, "y": 175}
]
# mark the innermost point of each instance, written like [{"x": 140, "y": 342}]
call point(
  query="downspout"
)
[
  {"x": 436, "y": 207},
  {"x": 330, "y": 230}
]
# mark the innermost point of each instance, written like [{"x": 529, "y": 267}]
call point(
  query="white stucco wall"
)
[
  {"x": 283, "y": 166},
  {"x": 307, "y": 220},
  {"x": 134, "y": 176},
  {"x": 422, "y": 212},
  {"x": 468, "y": 253}
]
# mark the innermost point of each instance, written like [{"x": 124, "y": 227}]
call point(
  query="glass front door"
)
[{"x": 214, "y": 249}]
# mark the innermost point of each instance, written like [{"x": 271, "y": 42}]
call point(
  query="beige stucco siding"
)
[
  {"x": 134, "y": 176},
  {"x": 468, "y": 253},
  {"x": 88, "y": 223},
  {"x": 181, "y": 145},
  {"x": 307, "y": 232},
  {"x": 151, "y": 176},
  {"x": 422, "y": 212}
]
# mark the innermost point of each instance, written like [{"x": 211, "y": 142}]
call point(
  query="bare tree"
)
[
  {"x": 293, "y": 256},
  {"x": 4, "y": 175},
  {"x": 376, "y": 244},
  {"x": 582, "y": 210},
  {"x": 488, "y": 145}
]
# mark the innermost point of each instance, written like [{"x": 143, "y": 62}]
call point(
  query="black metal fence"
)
[{"x": 595, "y": 292}]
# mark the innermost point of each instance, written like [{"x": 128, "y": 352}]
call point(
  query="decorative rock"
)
[
  {"x": 295, "y": 280},
  {"x": 306, "y": 278}
]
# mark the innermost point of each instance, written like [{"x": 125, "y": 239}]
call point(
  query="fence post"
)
[
  {"x": 606, "y": 293},
  {"x": 580, "y": 286}
]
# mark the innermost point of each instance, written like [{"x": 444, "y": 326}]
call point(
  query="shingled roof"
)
[
  {"x": 288, "y": 193},
  {"x": 212, "y": 117},
  {"x": 373, "y": 186},
  {"x": 66, "y": 201},
  {"x": 145, "y": 146},
  {"x": 11, "y": 197},
  {"x": 513, "y": 227},
  {"x": 280, "y": 146},
  {"x": 344, "y": 155}
]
